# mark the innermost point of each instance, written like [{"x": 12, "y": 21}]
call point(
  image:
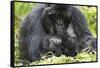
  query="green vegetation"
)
[
  {"x": 90, "y": 13},
  {"x": 83, "y": 57},
  {"x": 22, "y": 10}
]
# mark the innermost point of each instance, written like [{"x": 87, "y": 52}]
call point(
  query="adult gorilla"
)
[{"x": 56, "y": 28}]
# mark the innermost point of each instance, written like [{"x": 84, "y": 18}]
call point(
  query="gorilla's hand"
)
[{"x": 54, "y": 41}]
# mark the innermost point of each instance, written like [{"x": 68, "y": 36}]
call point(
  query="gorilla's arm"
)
[
  {"x": 81, "y": 28},
  {"x": 31, "y": 34}
]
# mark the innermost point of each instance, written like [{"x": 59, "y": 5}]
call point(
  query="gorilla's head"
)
[
  {"x": 57, "y": 17},
  {"x": 60, "y": 15}
]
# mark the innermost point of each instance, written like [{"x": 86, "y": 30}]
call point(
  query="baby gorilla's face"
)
[
  {"x": 55, "y": 45},
  {"x": 54, "y": 42}
]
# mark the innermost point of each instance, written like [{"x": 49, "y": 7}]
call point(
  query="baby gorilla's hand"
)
[{"x": 54, "y": 41}]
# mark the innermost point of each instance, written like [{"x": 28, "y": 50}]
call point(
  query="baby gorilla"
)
[
  {"x": 57, "y": 45},
  {"x": 53, "y": 45}
]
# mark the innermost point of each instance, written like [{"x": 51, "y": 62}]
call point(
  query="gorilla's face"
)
[{"x": 59, "y": 17}]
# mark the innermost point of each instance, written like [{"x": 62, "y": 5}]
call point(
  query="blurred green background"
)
[{"x": 22, "y": 9}]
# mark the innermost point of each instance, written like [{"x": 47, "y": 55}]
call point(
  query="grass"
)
[{"x": 82, "y": 57}]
